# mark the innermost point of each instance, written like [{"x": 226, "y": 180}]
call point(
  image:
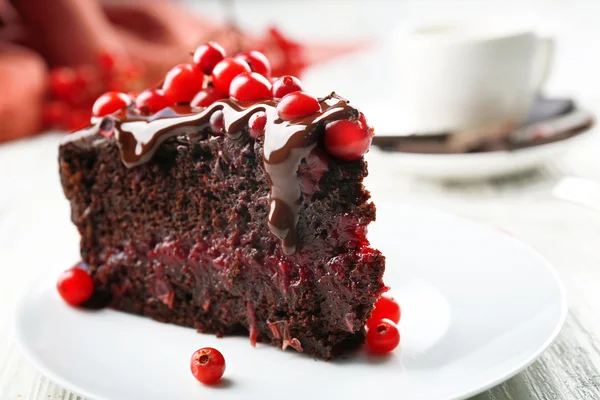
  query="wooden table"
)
[{"x": 35, "y": 228}]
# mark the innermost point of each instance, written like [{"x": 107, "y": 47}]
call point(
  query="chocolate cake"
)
[{"x": 188, "y": 218}]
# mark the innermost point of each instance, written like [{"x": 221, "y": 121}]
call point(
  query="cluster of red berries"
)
[
  {"x": 244, "y": 78},
  {"x": 72, "y": 90},
  {"x": 382, "y": 333}
]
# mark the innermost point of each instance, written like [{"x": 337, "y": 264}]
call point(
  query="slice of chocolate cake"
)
[{"x": 229, "y": 219}]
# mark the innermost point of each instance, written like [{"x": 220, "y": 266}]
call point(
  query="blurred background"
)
[{"x": 536, "y": 176}]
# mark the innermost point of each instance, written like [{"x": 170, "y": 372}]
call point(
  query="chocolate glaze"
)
[{"x": 286, "y": 144}]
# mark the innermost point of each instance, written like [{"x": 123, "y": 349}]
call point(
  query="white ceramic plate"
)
[
  {"x": 472, "y": 166},
  {"x": 478, "y": 307}
]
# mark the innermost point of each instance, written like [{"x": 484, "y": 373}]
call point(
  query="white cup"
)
[{"x": 464, "y": 76}]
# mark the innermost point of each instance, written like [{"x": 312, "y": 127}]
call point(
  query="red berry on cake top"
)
[
  {"x": 250, "y": 86},
  {"x": 385, "y": 307},
  {"x": 258, "y": 62},
  {"x": 297, "y": 105},
  {"x": 217, "y": 123},
  {"x": 286, "y": 84},
  {"x": 207, "y": 365},
  {"x": 207, "y": 56},
  {"x": 182, "y": 83},
  {"x": 256, "y": 124},
  {"x": 206, "y": 97},
  {"x": 109, "y": 103},
  {"x": 224, "y": 72},
  {"x": 347, "y": 140},
  {"x": 383, "y": 337},
  {"x": 75, "y": 286},
  {"x": 151, "y": 101}
]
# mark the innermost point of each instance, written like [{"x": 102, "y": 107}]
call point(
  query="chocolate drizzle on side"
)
[{"x": 286, "y": 144}]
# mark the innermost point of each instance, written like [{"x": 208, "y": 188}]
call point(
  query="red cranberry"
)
[
  {"x": 250, "y": 86},
  {"x": 385, "y": 307},
  {"x": 207, "y": 365},
  {"x": 383, "y": 337},
  {"x": 109, "y": 103},
  {"x": 207, "y": 56},
  {"x": 286, "y": 84},
  {"x": 347, "y": 140},
  {"x": 151, "y": 101},
  {"x": 217, "y": 124},
  {"x": 75, "y": 286},
  {"x": 224, "y": 72},
  {"x": 257, "y": 61},
  {"x": 256, "y": 124},
  {"x": 206, "y": 97},
  {"x": 182, "y": 83},
  {"x": 297, "y": 105}
]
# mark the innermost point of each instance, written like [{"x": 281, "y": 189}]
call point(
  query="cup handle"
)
[{"x": 546, "y": 46}]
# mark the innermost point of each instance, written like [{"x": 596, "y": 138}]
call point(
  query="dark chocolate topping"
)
[{"x": 286, "y": 144}]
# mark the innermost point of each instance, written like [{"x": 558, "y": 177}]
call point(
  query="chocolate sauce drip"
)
[{"x": 286, "y": 144}]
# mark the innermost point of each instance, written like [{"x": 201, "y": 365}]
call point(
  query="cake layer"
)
[{"x": 183, "y": 238}]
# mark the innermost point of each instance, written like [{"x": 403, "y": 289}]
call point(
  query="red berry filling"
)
[
  {"x": 297, "y": 105},
  {"x": 383, "y": 337},
  {"x": 250, "y": 86},
  {"x": 182, "y": 83},
  {"x": 75, "y": 286},
  {"x": 285, "y": 85},
  {"x": 258, "y": 62},
  {"x": 347, "y": 140},
  {"x": 207, "y": 365},
  {"x": 227, "y": 69},
  {"x": 207, "y": 56},
  {"x": 109, "y": 103}
]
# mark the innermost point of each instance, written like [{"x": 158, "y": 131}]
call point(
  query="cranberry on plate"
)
[
  {"x": 75, "y": 286},
  {"x": 207, "y": 365}
]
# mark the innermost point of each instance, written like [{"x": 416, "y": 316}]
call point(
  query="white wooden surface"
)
[{"x": 35, "y": 230}]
